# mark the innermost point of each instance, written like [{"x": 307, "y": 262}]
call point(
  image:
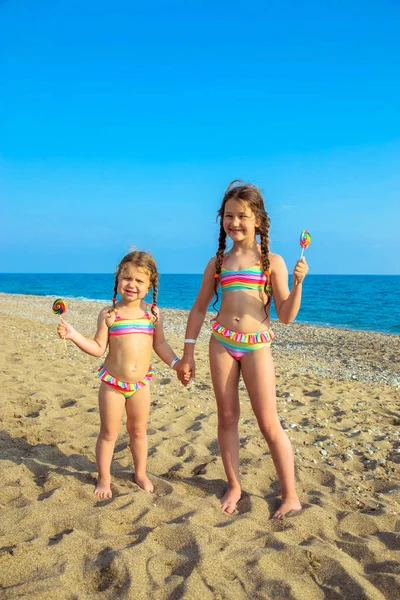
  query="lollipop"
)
[
  {"x": 59, "y": 308},
  {"x": 305, "y": 239}
]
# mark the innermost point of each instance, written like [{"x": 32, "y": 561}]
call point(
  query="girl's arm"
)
[
  {"x": 196, "y": 319},
  {"x": 160, "y": 344},
  {"x": 287, "y": 303},
  {"x": 96, "y": 346}
]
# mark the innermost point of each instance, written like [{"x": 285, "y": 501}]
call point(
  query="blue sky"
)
[{"x": 122, "y": 124}]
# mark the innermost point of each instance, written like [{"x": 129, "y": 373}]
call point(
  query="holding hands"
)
[{"x": 186, "y": 369}]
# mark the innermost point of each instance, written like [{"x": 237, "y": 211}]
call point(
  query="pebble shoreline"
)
[{"x": 341, "y": 354}]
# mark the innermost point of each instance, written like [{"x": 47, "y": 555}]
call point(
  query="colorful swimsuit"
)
[
  {"x": 235, "y": 342},
  {"x": 125, "y": 327},
  {"x": 252, "y": 278},
  {"x": 126, "y": 388}
]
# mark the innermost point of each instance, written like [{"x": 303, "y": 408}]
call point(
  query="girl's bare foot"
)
[
  {"x": 144, "y": 482},
  {"x": 103, "y": 489},
  {"x": 230, "y": 499},
  {"x": 286, "y": 507}
]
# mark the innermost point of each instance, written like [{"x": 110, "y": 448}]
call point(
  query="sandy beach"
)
[{"x": 339, "y": 401}]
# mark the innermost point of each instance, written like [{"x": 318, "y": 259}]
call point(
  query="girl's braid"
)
[
  {"x": 219, "y": 260},
  {"x": 114, "y": 298},
  {"x": 155, "y": 292},
  {"x": 263, "y": 230}
]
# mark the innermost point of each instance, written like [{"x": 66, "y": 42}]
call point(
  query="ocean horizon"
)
[{"x": 341, "y": 301}]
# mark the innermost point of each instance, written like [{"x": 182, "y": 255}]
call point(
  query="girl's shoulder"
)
[
  {"x": 276, "y": 262},
  {"x": 211, "y": 263},
  {"x": 210, "y": 268},
  {"x": 274, "y": 257},
  {"x": 107, "y": 311},
  {"x": 107, "y": 315}
]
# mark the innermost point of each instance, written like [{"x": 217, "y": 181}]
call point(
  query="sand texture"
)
[{"x": 339, "y": 400}]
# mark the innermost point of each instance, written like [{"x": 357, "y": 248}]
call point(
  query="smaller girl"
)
[{"x": 131, "y": 329}]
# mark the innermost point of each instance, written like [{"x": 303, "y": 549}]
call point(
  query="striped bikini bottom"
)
[
  {"x": 126, "y": 388},
  {"x": 238, "y": 344}
]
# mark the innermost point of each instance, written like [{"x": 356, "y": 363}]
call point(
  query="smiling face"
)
[
  {"x": 239, "y": 221},
  {"x": 133, "y": 282}
]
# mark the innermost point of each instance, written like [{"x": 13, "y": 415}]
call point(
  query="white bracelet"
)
[
  {"x": 190, "y": 341},
  {"x": 176, "y": 359}
]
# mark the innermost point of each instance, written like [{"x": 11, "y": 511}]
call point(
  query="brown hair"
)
[
  {"x": 146, "y": 262},
  {"x": 251, "y": 195}
]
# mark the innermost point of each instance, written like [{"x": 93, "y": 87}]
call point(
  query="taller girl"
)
[{"x": 249, "y": 277}]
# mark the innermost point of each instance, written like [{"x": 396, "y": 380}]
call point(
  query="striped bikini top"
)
[
  {"x": 126, "y": 326},
  {"x": 252, "y": 278}
]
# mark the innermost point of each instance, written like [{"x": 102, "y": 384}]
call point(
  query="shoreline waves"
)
[
  {"x": 355, "y": 302},
  {"x": 339, "y": 400}
]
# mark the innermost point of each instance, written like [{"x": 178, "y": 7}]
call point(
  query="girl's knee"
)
[
  {"x": 228, "y": 419},
  {"x": 271, "y": 430},
  {"x": 136, "y": 431},
  {"x": 108, "y": 435}
]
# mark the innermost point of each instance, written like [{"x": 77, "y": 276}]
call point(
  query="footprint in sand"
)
[
  {"x": 194, "y": 427},
  {"x": 179, "y": 452},
  {"x": 33, "y": 415},
  {"x": 110, "y": 576},
  {"x": 56, "y": 539},
  {"x": 8, "y": 549},
  {"x": 46, "y": 495},
  {"x": 313, "y": 393},
  {"x": 68, "y": 403}
]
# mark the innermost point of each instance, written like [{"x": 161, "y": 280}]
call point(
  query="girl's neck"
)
[
  {"x": 245, "y": 247},
  {"x": 130, "y": 304}
]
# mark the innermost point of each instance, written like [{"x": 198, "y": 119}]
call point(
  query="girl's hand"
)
[
  {"x": 185, "y": 370},
  {"x": 300, "y": 270},
  {"x": 183, "y": 377},
  {"x": 64, "y": 330},
  {"x": 186, "y": 377}
]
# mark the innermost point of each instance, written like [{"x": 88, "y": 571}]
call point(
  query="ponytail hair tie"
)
[
  {"x": 114, "y": 298},
  {"x": 216, "y": 275}
]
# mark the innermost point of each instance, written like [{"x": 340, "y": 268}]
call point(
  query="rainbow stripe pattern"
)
[
  {"x": 59, "y": 306},
  {"x": 126, "y": 388},
  {"x": 239, "y": 343},
  {"x": 245, "y": 279},
  {"x": 127, "y": 326},
  {"x": 305, "y": 239}
]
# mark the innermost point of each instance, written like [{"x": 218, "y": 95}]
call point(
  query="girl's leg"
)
[
  {"x": 111, "y": 406},
  {"x": 225, "y": 371},
  {"x": 259, "y": 377},
  {"x": 137, "y": 412}
]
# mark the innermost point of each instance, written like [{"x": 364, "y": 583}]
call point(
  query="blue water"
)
[{"x": 367, "y": 302}]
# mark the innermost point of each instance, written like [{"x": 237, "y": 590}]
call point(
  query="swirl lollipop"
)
[
  {"x": 305, "y": 239},
  {"x": 59, "y": 308}
]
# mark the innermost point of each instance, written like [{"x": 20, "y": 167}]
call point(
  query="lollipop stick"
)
[
  {"x": 301, "y": 256},
  {"x": 65, "y": 342}
]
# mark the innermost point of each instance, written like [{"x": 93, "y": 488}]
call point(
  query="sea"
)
[{"x": 362, "y": 302}]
